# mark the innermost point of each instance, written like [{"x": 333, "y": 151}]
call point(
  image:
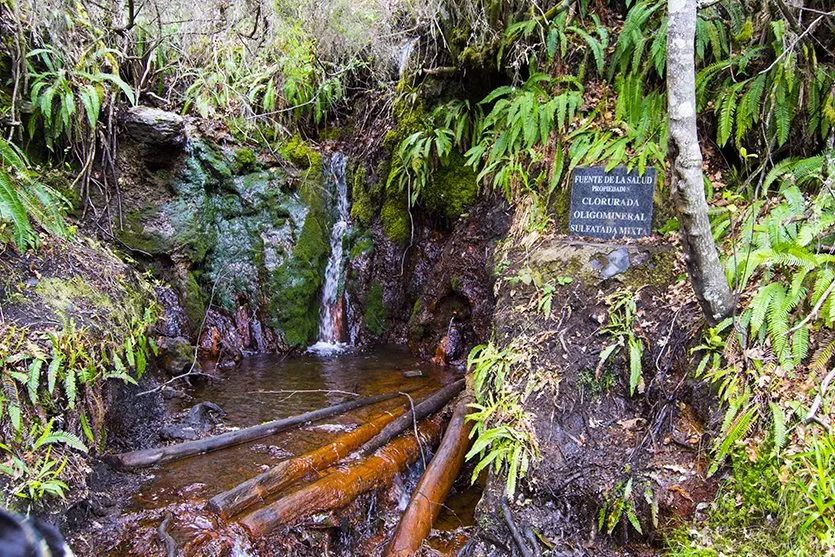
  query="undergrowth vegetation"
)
[
  {"x": 51, "y": 403},
  {"x": 503, "y": 435},
  {"x": 571, "y": 83}
]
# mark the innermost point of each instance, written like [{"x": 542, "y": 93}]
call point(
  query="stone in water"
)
[{"x": 614, "y": 204}]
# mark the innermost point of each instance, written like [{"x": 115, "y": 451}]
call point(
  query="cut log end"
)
[{"x": 434, "y": 486}]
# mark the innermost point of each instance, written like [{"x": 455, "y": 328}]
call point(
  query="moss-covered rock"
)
[
  {"x": 66, "y": 296},
  {"x": 453, "y": 188},
  {"x": 302, "y": 155},
  {"x": 245, "y": 160},
  {"x": 395, "y": 216},
  {"x": 294, "y": 308},
  {"x": 359, "y": 246},
  {"x": 365, "y": 198},
  {"x": 192, "y": 302},
  {"x": 294, "y": 286}
]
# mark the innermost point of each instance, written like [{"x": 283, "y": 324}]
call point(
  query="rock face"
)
[
  {"x": 247, "y": 239},
  {"x": 454, "y": 310}
]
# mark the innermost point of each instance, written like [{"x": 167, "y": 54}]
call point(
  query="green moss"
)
[
  {"x": 658, "y": 271},
  {"x": 452, "y": 190},
  {"x": 302, "y": 155},
  {"x": 193, "y": 302},
  {"x": 360, "y": 246},
  {"x": 211, "y": 160},
  {"x": 455, "y": 284},
  {"x": 375, "y": 317},
  {"x": 65, "y": 296},
  {"x": 293, "y": 308},
  {"x": 559, "y": 206},
  {"x": 245, "y": 160},
  {"x": 365, "y": 198},
  {"x": 134, "y": 235},
  {"x": 395, "y": 217},
  {"x": 745, "y": 517}
]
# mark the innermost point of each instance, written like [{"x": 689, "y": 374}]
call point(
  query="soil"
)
[{"x": 593, "y": 436}]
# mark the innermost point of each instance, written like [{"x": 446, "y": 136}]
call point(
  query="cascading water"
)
[
  {"x": 332, "y": 310},
  {"x": 403, "y": 55}
]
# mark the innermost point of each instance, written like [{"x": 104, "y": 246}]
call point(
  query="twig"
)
[
  {"x": 815, "y": 310},
  {"x": 165, "y": 538},
  {"x": 514, "y": 530},
  {"x": 811, "y": 416},
  {"x": 328, "y": 391},
  {"x": 531, "y": 537},
  {"x": 414, "y": 426},
  {"x": 808, "y": 30}
]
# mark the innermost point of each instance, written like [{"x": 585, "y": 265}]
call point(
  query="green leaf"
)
[
  {"x": 34, "y": 380},
  {"x": 52, "y": 371},
  {"x": 635, "y": 354}
]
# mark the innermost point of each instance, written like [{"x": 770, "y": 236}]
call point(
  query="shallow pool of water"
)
[{"x": 265, "y": 388}]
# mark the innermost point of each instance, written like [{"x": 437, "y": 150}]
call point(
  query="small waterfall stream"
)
[
  {"x": 403, "y": 55},
  {"x": 332, "y": 309}
]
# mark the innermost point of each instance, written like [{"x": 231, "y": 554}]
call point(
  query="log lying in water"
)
[
  {"x": 424, "y": 408},
  {"x": 278, "y": 477},
  {"x": 434, "y": 486},
  {"x": 160, "y": 455},
  {"x": 345, "y": 484},
  {"x": 371, "y": 436}
]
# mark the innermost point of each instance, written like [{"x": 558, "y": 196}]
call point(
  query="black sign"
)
[{"x": 613, "y": 204}]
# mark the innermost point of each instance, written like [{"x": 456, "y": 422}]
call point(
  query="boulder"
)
[
  {"x": 154, "y": 127},
  {"x": 176, "y": 355}
]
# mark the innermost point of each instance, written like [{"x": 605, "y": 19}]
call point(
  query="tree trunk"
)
[
  {"x": 345, "y": 484},
  {"x": 160, "y": 455},
  {"x": 703, "y": 266},
  {"x": 434, "y": 486}
]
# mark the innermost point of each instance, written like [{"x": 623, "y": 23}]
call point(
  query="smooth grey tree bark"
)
[{"x": 703, "y": 266}]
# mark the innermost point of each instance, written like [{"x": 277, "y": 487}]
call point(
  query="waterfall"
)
[
  {"x": 332, "y": 309},
  {"x": 404, "y": 54}
]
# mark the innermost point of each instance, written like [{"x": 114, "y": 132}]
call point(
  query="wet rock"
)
[
  {"x": 179, "y": 432},
  {"x": 199, "y": 420},
  {"x": 177, "y": 356},
  {"x": 226, "y": 365},
  {"x": 174, "y": 322},
  {"x": 617, "y": 262},
  {"x": 170, "y": 393},
  {"x": 453, "y": 311},
  {"x": 413, "y": 373},
  {"x": 204, "y": 414},
  {"x": 154, "y": 127}
]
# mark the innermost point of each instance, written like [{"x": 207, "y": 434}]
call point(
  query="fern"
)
[{"x": 24, "y": 201}]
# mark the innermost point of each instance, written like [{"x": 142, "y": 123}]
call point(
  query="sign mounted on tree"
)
[{"x": 614, "y": 204}]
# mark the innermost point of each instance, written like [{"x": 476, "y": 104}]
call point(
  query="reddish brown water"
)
[{"x": 266, "y": 388}]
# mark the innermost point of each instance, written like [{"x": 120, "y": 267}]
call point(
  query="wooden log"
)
[
  {"x": 371, "y": 436},
  {"x": 160, "y": 455},
  {"x": 424, "y": 408},
  {"x": 255, "y": 490},
  {"x": 343, "y": 485},
  {"x": 434, "y": 486}
]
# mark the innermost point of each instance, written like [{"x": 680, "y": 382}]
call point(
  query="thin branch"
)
[{"x": 815, "y": 310}]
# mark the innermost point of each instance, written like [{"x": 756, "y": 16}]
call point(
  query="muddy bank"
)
[{"x": 619, "y": 457}]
